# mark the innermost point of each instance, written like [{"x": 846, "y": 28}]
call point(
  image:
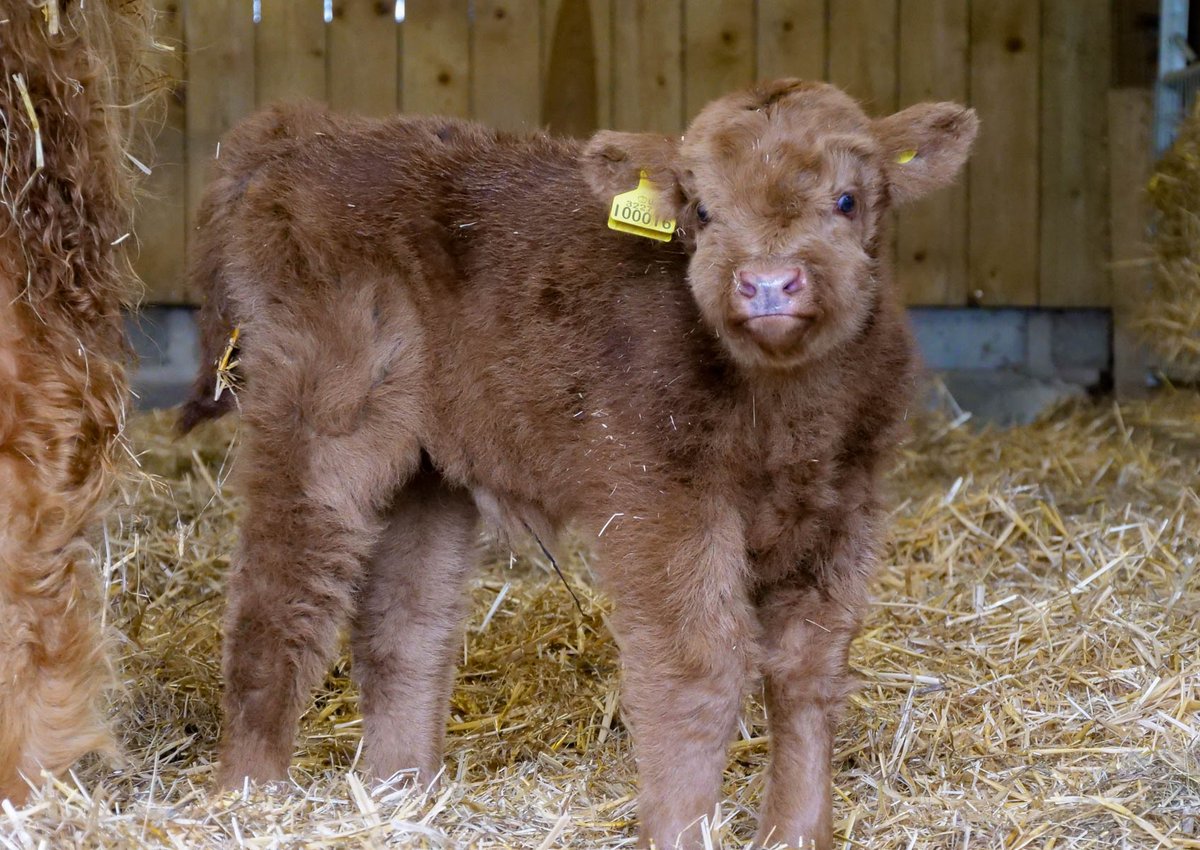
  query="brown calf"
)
[{"x": 436, "y": 322}]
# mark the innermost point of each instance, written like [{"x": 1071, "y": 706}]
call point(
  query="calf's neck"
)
[{"x": 436, "y": 323}]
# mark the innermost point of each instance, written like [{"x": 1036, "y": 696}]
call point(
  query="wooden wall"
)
[{"x": 1026, "y": 226}]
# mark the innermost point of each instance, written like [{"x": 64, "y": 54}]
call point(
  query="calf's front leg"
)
[
  {"x": 687, "y": 638},
  {"x": 806, "y": 638}
]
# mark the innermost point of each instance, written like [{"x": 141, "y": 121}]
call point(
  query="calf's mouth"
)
[{"x": 777, "y": 331}]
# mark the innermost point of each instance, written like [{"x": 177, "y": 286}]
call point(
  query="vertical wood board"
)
[
  {"x": 436, "y": 57},
  {"x": 160, "y": 217},
  {"x": 603, "y": 12},
  {"x": 648, "y": 65},
  {"x": 719, "y": 52},
  {"x": 290, "y": 50},
  {"x": 931, "y": 243},
  {"x": 1076, "y": 62},
  {"x": 220, "y": 86},
  {"x": 1131, "y": 113},
  {"x": 363, "y": 57},
  {"x": 576, "y": 69},
  {"x": 862, "y": 53},
  {"x": 792, "y": 39},
  {"x": 506, "y": 57},
  {"x": 1003, "y": 217}
]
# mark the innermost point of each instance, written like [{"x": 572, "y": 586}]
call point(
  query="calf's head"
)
[{"x": 779, "y": 193}]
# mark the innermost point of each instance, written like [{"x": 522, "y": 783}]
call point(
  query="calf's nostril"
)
[
  {"x": 746, "y": 287},
  {"x": 793, "y": 285}
]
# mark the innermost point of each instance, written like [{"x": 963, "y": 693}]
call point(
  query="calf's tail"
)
[
  {"x": 207, "y": 281},
  {"x": 254, "y": 142}
]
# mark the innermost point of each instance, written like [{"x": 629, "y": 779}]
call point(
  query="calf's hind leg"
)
[
  {"x": 408, "y": 618},
  {"x": 302, "y": 552},
  {"x": 329, "y": 437}
]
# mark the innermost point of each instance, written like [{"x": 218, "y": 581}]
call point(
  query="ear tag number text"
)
[{"x": 633, "y": 212}]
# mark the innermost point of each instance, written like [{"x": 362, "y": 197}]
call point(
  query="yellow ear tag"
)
[
  {"x": 633, "y": 212},
  {"x": 905, "y": 157},
  {"x": 226, "y": 365}
]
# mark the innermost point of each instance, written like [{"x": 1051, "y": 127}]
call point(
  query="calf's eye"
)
[
  {"x": 846, "y": 204},
  {"x": 702, "y": 214}
]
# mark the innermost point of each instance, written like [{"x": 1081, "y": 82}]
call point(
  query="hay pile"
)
[
  {"x": 1031, "y": 674},
  {"x": 1170, "y": 317}
]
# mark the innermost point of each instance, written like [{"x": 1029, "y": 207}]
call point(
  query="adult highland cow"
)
[{"x": 68, "y": 73}]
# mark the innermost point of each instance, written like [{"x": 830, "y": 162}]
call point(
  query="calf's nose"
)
[
  {"x": 774, "y": 307},
  {"x": 771, "y": 287}
]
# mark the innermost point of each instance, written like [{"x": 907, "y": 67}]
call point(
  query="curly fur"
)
[{"x": 63, "y": 284}]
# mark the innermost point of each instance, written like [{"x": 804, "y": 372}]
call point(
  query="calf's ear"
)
[
  {"x": 925, "y": 146},
  {"x": 612, "y": 163}
]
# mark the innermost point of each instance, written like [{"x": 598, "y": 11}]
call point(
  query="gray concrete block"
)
[
  {"x": 1005, "y": 396},
  {"x": 1081, "y": 339},
  {"x": 167, "y": 347},
  {"x": 970, "y": 339}
]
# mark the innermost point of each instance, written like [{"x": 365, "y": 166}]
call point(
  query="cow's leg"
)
[
  {"x": 330, "y": 418},
  {"x": 291, "y": 588},
  {"x": 806, "y": 642},
  {"x": 687, "y": 639},
  {"x": 407, "y": 625}
]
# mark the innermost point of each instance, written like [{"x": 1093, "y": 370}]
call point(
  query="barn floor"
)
[{"x": 1031, "y": 673}]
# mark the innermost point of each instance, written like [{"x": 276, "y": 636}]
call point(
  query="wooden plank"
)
[
  {"x": 363, "y": 57},
  {"x": 220, "y": 85},
  {"x": 862, "y": 53},
  {"x": 602, "y": 32},
  {"x": 1135, "y": 42},
  {"x": 506, "y": 64},
  {"x": 290, "y": 50},
  {"x": 1003, "y": 205},
  {"x": 648, "y": 65},
  {"x": 400, "y": 27},
  {"x": 1131, "y": 113},
  {"x": 576, "y": 65},
  {"x": 719, "y": 50},
  {"x": 436, "y": 57},
  {"x": 1076, "y": 62},
  {"x": 931, "y": 243},
  {"x": 160, "y": 220},
  {"x": 791, "y": 39}
]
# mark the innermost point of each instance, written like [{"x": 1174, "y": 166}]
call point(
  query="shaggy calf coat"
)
[{"x": 437, "y": 323}]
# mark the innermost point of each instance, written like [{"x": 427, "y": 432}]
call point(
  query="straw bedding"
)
[{"x": 1031, "y": 673}]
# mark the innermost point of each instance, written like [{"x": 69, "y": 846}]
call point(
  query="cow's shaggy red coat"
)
[
  {"x": 436, "y": 323},
  {"x": 63, "y": 281}
]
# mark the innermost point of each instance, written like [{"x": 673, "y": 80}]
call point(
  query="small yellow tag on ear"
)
[
  {"x": 905, "y": 157},
  {"x": 633, "y": 212},
  {"x": 225, "y": 366}
]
